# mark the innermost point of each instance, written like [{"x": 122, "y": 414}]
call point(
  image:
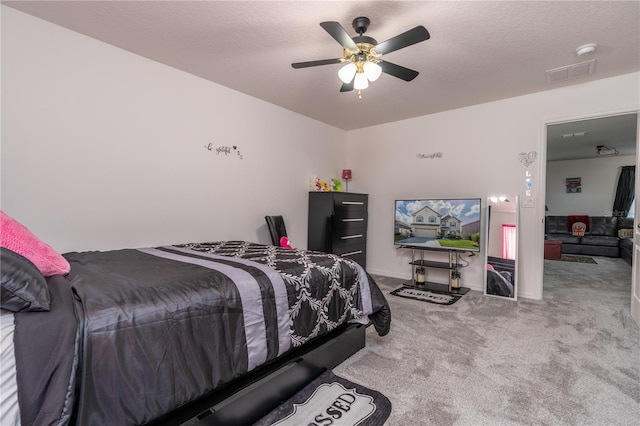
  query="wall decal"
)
[
  {"x": 528, "y": 158},
  {"x": 528, "y": 201},
  {"x": 223, "y": 149},
  {"x": 431, "y": 156}
]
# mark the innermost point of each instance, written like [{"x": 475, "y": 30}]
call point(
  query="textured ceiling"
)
[
  {"x": 479, "y": 51},
  {"x": 580, "y": 139}
]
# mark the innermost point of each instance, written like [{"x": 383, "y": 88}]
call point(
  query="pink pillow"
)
[{"x": 17, "y": 238}]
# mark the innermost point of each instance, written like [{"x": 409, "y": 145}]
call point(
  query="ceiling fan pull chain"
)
[{"x": 360, "y": 94}]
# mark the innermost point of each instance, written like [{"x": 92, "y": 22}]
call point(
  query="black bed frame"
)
[{"x": 251, "y": 397}]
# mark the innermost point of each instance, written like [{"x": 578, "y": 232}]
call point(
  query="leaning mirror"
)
[{"x": 502, "y": 247}]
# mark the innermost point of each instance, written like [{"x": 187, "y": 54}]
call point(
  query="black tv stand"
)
[{"x": 453, "y": 265}]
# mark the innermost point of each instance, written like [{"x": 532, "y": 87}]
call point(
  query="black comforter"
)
[{"x": 156, "y": 328}]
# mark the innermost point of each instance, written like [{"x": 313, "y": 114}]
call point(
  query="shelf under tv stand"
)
[{"x": 453, "y": 265}]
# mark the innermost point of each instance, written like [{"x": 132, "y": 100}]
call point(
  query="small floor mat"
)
[
  {"x": 577, "y": 258},
  {"x": 331, "y": 400},
  {"x": 426, "y": 295}
]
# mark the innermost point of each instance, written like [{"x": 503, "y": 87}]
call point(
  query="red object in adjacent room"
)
[
  {"x": 571, "y": 219},
  {"x": 552, "y": 249}
]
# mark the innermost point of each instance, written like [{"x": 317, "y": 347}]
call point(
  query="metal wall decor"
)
[
  {"x": 528, "y": 158},
  {"x": 430, "y": 156}
]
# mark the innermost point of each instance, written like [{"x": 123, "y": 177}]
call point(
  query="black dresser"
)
[{"x": 338, "y": 224}]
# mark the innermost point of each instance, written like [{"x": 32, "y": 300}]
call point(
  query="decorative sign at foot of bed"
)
[{"x": 328, "y": 400}]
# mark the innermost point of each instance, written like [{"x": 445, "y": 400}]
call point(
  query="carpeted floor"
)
[{"x": 570, "y": 359}]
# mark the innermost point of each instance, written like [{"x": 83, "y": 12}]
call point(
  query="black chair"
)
[{"x": 276, "y": 228}]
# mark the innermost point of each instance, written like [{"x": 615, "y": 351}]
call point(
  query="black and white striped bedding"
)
[{"x": 135, "y": 333}]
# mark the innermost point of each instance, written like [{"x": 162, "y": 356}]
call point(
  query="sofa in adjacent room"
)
[{"x": 602, "y": 236}]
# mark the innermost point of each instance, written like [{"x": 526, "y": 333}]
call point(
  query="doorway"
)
[{"x": 584, "y": 161}]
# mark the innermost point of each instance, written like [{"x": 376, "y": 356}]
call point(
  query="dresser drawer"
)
[
  {"x": 354, "y": 254},
  {"x": 345, "y": 245},
  {"x": 345, "y": 204},
  {"x": 349, "y": 215},
  {"x": 360, "y": 258},
  {"x": 343, "y": 227},
  {"x": 350, "y": 206}
]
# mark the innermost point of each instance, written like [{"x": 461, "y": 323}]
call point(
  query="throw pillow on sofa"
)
[{"x": 625, "y": 233}]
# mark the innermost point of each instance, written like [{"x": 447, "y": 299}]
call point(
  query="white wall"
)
[
  {"x": 480, "y": 146},
  {"x": 599, "y": 184},
  {"x": 104, "y": 149}
]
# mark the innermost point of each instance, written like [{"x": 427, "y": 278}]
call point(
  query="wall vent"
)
[{"x": 569, "y": 72}]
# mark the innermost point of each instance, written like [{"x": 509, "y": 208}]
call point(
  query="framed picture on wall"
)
[{"x": 574, "y": 185}]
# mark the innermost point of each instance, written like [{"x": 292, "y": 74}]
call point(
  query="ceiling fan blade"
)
[
  {"x": 347, "y": 87},
  {"x": 401, "y": 72},
  {"x": 336, "y": 31},
  {"x": 316, "y": 63},
  {"x": 413, "y": 36}
]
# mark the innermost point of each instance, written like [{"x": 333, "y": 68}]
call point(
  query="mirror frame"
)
[{"x": 497, "y": 269}]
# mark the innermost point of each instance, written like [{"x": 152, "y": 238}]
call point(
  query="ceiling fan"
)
[{"x": 362, "y": 55}]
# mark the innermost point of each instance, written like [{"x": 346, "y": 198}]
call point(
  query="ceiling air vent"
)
[{"x": 569, "y": 72}]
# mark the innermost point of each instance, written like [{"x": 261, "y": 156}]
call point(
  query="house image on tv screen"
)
[
  {"x": 438, "y": 223},
  {"x": 431, "y": 224}
]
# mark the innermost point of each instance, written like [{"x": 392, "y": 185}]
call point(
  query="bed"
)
[{"x": 157, "y": 335}]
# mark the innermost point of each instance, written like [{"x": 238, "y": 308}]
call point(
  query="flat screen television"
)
[{"x": 438, "y": 224}]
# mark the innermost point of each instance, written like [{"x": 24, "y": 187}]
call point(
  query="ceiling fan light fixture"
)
[
  {"x": 347, "y": 72},
  {"x": 361, "y": 55},
  {"x": 360, "y": 82},
  {"x": 372, "y": 70}
]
